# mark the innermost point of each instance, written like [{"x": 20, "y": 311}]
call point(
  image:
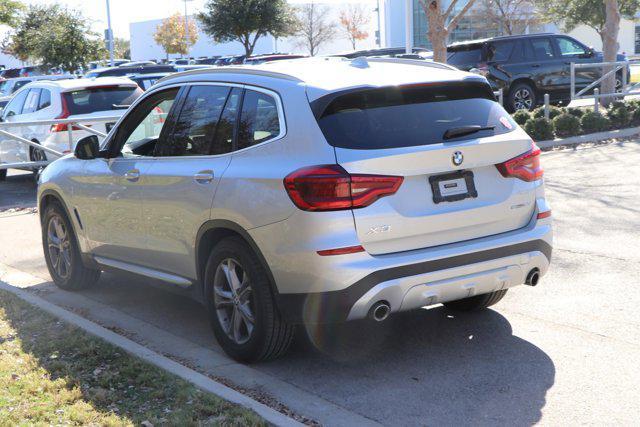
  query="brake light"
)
[
  {"x": 543, "y": 215},
  {"x": 525, "y": 167},
  {"x": 330, "y": 188},
  {"x": 342, "y": 251}
]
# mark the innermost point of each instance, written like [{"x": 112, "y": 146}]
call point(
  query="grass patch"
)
[{"x": 54, "y": 373}]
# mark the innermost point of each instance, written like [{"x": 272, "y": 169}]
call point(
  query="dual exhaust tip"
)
[{"x": 533, "y": 277}]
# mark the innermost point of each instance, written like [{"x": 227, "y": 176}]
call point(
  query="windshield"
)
[
  {"x": 103, "y": 98},
  {"x": 396, "y": 117}
]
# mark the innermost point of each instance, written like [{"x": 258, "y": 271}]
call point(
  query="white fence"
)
[{"x": 77, "y": 123}]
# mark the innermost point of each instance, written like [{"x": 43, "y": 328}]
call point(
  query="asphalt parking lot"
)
[{"x": 564, "y": 352}]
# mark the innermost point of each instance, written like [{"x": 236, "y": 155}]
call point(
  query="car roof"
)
[
  {"x": 326, "y": 75},
  {"x": 73, "y": 84},
  {"x": 514, "y": 37}
]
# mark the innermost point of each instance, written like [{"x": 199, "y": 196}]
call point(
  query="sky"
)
[{"x": 125, "y": 11}]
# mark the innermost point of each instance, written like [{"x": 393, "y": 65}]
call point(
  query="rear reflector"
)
[
  {"x": 330, "y": 188},
  {"x": 545, "y": 214},
  {"x": 525, "y": 167},
  {"x": 341, "y": 251}
]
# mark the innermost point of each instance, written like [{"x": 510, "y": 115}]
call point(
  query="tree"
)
[
  {"x": 121, "y": 48},
  {"x": 510, "y": 16},
  {"x": 247, "y": 20},
  {"x": 353, "y": 20},
  {"x": 441, "y": 22},
  {"x": 314, "y": 27},
  {"x": 170, "y": 34},
  {"x": 9, "y": 12},
  {"x": 56, "y": 37},
  {"x": 610, "y": 46}
]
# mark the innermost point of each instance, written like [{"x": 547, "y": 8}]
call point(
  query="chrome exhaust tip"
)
[
  {"x": 533, "y": 277},
  {"x": 380, "y": 311}
]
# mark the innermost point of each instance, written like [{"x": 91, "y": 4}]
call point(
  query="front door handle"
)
[
  {"x": 133, "y": 175},
  {"x": 203, "y": 177}
]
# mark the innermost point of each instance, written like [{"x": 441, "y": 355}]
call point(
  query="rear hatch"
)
[
  {"x": 451, "y": 189},
  {"x": 99, "y": 101}
]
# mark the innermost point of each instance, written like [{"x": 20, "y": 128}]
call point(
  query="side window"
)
[
  {"x": 569, "y": 48},
  {"x": 45, "y": 99},
  {"x": 196, "y": 126},
  {"x": 259, "y": 120},
  {"x": 142, "y": 128},
  {"x": 500, "y": 51},
  {"x": 223, "y": 140},
  {"x": 14, "y": 107},
  {"x": 542, "y": 48},
  {"x": 31, "y": 102}
]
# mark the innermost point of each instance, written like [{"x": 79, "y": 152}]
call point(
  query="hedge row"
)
[{"x": 568, "y": 121}]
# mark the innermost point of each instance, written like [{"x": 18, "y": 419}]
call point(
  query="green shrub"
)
[
  {"x": 594, "y": 122},
  {"x": 619, "y": 114},
  {"x": 538, "y": 113},
  {"x": 521, "y": 117},
  {"x": 574, "y": 111},
  {"x": 635, "y": 116},
  {"x": 539, "y": 129},
  {"x": 566, "y": 125}
]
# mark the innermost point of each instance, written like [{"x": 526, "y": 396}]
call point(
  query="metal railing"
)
[
  {"x": 593, "y": 89},
  {"x": 71, "y": 124}
]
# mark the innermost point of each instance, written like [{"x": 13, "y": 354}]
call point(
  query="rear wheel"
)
[
  {"x": 477, "y": 302},
  {"x": 37, "y": 155},
  {"x": 522, "y": 96},
  {"x": 3, "y": 174},
  {"x": 241, "y": 307},
  {"x": 61, "y": 251}
]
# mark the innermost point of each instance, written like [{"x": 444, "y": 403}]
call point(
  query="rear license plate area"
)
[{"x": 452, "y": 187}]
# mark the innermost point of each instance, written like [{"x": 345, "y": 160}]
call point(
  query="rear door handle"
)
[
  {"x": 133, "y": 175},
  {"x": 535, "y": 65},
  {"x": 203, "y": 177}
]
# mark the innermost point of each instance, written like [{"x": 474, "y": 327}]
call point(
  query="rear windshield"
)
[
  {"x": 105, "y": 98},
  {"x": 411, "y": 116},
  {"x": 464, "y": 55}
]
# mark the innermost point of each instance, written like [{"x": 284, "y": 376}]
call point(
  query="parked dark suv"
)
[{"x": 528, "y": 66}]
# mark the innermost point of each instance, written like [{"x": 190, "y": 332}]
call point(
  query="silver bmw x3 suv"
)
[{"x": 305, "y": 191}]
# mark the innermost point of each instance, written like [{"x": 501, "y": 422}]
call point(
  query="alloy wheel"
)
[
  {"x": 59, "y": 247},
  {"x": 233, "y": 300},
  {"x": 522, "y": 99}
]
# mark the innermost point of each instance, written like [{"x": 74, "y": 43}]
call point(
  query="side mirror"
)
[{"x": 87, "y": 148}]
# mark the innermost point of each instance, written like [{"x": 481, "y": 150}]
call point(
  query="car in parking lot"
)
[
  {"x": 10, "y": 86},
  {"x": 62, "y": 99},
  {"x": 145, "y": 81},
  {"x": 526, "y": 67},
  {"x": 307, "y": 191}
]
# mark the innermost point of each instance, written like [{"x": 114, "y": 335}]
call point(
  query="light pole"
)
[
  {"x": 109, "y": 35},
  {"x": 186, "y": 28}
]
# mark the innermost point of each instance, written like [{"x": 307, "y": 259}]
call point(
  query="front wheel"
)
[
  {"x": 242, "y": 309},
  {"x": 522, "y": 96},
  {"x": 477, "y": 302}
]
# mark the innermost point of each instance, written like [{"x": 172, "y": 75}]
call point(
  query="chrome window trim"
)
[{"x": 275, "y": 95}]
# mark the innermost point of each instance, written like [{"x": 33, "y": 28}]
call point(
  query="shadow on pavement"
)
[{"x": 18, "y": 191}]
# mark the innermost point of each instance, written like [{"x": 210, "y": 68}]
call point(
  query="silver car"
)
[{"x": 306, "y": 191}]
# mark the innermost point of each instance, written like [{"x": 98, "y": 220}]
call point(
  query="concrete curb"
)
[
  {"x": 201, "y": 381},
  {"x": 592, "y": 137}
]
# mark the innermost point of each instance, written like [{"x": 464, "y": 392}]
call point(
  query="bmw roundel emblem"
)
[{"x": 457, "y": 158}]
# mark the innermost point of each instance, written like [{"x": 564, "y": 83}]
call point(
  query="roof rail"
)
[
  {"x": 407, "y": 61},
  {"x": 251, "y": 70}
]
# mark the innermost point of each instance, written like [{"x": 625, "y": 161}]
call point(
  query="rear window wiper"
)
[{"x": 464, "y": 131}]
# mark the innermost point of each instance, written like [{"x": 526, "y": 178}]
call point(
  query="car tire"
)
[
  {"x": 522, "y": 96},
  {"x": 477, "y": 302},
  {"x": 3, "y": 175},
  {"x": 36, "y": 155},
  {"x": 61, "y": 251},
  {"x": 241, "y": 307}
]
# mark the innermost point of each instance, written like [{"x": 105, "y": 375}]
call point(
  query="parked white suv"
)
[
  {"x": 64, "y": 99},
  {"x": 314, "y": 190}
]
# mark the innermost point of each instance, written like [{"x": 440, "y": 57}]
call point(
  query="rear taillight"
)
[
  {"x": 62, "y": 127},
  {"x": 525, "y": 167},
  {"x": 330, "y": 188}
]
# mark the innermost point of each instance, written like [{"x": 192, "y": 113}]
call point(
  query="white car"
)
[{"x": 65, "y": 99}]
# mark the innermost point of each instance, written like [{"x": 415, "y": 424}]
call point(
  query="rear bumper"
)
[{"x": 418, "y": 278}]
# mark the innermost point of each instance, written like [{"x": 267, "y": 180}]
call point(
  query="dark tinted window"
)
[
  {"x": 31, "y": 102},
  {"x": 103, "y": 98},
  {"x": 223, "y": 140},
  {"x": 14, "y": 106},
  {"x": 259, "y": 121},
  {"x": 468, "y": 56},
  {"x": 45, "y": 99},
  {"x": 522, "y": 52},
  {"x": 405, "y": 117},
  {"x": 542, "y": 48},
  {"x": 500, "y": 51},
  {"x": 196, "y": 126}
]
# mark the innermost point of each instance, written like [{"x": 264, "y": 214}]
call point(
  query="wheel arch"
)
[
  {"x": 527, "y": 80},
  {"x": 210, "y": 234}
]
